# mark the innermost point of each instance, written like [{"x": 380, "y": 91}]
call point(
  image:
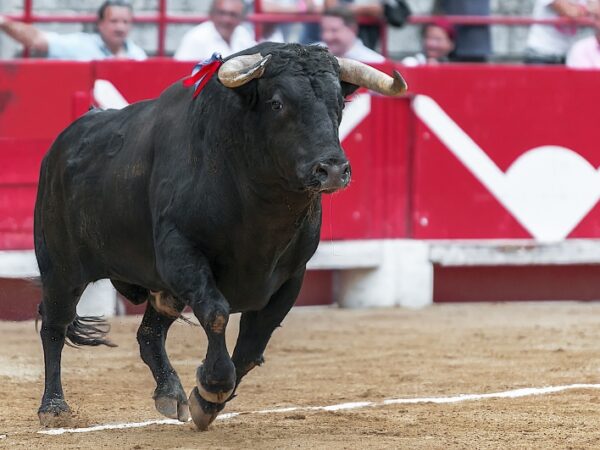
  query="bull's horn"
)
[
  {"x": 363, "y": 75},
  {"x": 242, "y": 69}
]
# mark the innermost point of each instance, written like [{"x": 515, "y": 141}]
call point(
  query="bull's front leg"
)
[
  {"x": 256, "y": 328},
  {"x": 190, "y": 278},
  {"x": 215, "y": 377}
]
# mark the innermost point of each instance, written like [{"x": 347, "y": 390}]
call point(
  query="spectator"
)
[
  {"x": 223, "y": 33},
  {"x": 369, "y": 34},
  {"x": 437, "y": 42},
  {"x": 548, "y": 44},
  {"x": 281, "y": 32},
  {"x": 339, "y": 32},
  {"x": 585, "y": 54},
  {"x": 115, "y": 18},
  {"x": 473, "y": 42}
]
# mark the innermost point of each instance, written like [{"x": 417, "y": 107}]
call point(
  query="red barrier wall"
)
[
  {"x": 507, "y": 111},
  {"x": 410, "y": 179},
  {"x": 376, "y": 203},
  {"x": 19, "y": 172},
  {"x": 406, "y": 182}
]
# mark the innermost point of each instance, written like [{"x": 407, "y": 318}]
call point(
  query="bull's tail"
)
[{"x": 88, "y": 330}]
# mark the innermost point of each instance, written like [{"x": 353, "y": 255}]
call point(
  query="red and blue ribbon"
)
[{"x": 203, "y": 71}]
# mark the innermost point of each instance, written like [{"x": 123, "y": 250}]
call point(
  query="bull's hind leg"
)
[
  {"x": 58, "y": 311},
  {"x": 59, "y": 323},
  {"x": 169, "y": 397}
]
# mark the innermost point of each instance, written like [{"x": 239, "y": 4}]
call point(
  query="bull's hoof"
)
[
  {"x": 173, "y": 409},
  {"x": 170, "y": 399},
  {"x": 218, "y": 393},
  {"x": 202, "y": 419},
  {"x": 54, "y": 414}
]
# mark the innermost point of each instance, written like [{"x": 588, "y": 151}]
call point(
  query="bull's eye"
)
[{"x": 276, "y": 105}]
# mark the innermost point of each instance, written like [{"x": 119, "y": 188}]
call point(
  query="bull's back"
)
[{"x": 92, "y": 201}]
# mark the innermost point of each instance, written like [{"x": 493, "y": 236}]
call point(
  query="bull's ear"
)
[
  {"x": 248, "y": 93},
  {"x": 348, "y": 88}
]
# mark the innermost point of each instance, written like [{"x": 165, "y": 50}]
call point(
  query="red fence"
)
[
  {"x": 488, "y": 152},
  {"x": 162, "y": 19},
  {"x": 538, "y": 141},
  {"x": 529, "y": 169}
]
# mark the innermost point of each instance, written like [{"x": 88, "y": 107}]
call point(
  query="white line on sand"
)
[{"x": 515, "y": 393}]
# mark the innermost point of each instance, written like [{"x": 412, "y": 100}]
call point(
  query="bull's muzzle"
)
[{"x": 332, "y": 176}]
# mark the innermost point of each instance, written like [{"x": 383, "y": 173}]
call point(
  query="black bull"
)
[{"x": 212, "y": 202}]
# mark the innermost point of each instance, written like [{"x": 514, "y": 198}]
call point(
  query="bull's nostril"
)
[
  {"x": 332, "y": 175},
  {"x": 321, "y": 172}
]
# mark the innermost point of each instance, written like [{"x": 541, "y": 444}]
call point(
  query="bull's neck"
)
[
  {"x": 281, "y": 217},
  {"x": 272, "y": 201}
]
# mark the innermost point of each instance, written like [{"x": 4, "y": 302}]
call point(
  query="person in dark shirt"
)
[{"x": 473, "y": 42}]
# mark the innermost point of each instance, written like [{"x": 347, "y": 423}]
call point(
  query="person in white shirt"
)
[
  {"x": 223, "y": 33},
  {"x": 287, "y": 32},
  {"x": 339, "y": 33},
  {"x": 114, "y": 24},
  {"x": 585, "y": 54},
  {"x": 548, "y": 44}
]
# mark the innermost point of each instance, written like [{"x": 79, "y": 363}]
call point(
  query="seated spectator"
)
[
  {"x": 473, "y": 42},
  {"x": 369, "y": 34},
  {"x": 548, "y": 44},
  {"x": 339, "y": 32},
  {"x": 437, "y": 42},
  {"x": 223, "y": 33},
  {"x": 281, "y": 32},
  {"x": 585, "y": 54},
  {"x": 115, "y": 18}
]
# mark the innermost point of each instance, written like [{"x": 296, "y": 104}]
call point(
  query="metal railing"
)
[{"x": 162, "y": 19}]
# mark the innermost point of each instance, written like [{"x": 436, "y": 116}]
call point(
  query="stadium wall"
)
[{"x": 481, "y": 184}]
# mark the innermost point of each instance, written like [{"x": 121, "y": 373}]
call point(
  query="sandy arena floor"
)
[{"x": 326, "y": 356}]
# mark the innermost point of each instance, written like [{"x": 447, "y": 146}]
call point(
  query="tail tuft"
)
[{"x": 88, "y": 330}]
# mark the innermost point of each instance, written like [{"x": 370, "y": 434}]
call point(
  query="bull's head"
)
[{"x": 303, "y": 109}]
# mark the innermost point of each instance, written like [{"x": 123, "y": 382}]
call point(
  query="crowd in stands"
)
[{"x": 338, "y": 29}]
